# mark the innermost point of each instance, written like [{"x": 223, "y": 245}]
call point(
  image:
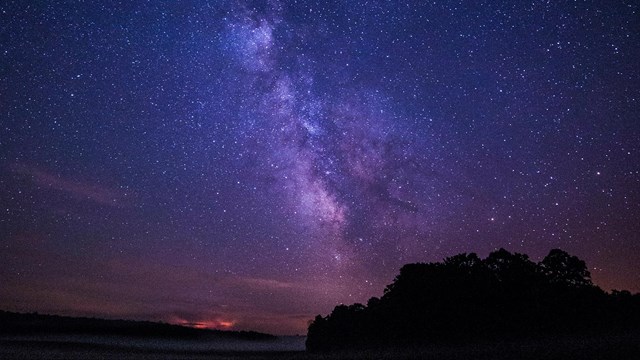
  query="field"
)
[{"x": 625, "y": 346}]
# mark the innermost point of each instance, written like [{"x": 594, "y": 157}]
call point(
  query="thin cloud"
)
[{"x": 79, "y": 190}]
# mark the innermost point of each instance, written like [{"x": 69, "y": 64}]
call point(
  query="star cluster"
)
[{"x": 247, "y": 165}]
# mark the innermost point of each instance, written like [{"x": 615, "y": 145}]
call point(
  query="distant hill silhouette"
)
[
  {"x": 30, "y": 324},
  {"x": 465, "y": 299}
]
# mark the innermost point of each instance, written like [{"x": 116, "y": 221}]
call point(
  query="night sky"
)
[{"x": 248, "y": 165}]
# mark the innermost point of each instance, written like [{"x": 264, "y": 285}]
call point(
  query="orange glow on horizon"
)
[{"x": 204, "y": 324}]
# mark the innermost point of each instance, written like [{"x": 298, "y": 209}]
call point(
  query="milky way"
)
[
  {"x": 337, "y": 161},
  {"x": 248, "y": 165}
]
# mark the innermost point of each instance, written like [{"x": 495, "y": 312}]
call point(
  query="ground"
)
[{"x": 625, "y": 346}]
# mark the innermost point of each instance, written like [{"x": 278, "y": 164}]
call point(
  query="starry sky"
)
[{"x": 248, "y": 165}]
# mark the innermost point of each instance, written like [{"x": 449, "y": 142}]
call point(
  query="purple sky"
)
[{"x": 248, "y": 165}]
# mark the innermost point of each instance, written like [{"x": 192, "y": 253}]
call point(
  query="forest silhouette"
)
[
  {"x": 12, "y": 323},
  {"x": 466, "y": 299}
]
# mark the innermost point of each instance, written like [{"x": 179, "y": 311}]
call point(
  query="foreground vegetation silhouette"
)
[
  {"x": 32, "y": 324},
  {"x": 465, "y": 299}
]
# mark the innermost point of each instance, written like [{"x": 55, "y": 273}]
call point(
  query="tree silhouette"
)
[
  {"x": 465, "y": 298},
  {"x": 564, "y": 269}
]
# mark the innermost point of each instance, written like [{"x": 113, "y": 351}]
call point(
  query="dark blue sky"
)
[{"x": 248, "y": 165}]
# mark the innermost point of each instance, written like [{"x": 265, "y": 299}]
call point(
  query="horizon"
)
[
  {"x": 224, "y": 326},
  {"x": 249, "y": 165},
  {"x": 196, "y": 326}
]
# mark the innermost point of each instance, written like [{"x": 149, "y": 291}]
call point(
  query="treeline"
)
[
  {"x": 30, "y": 324},
  {"x": 465, "y": 298}
]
